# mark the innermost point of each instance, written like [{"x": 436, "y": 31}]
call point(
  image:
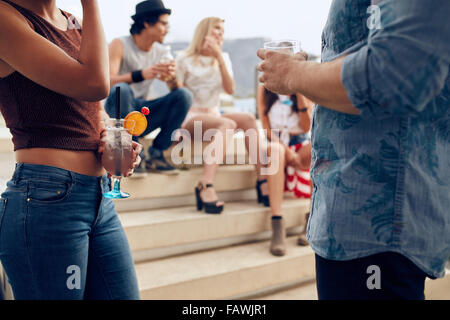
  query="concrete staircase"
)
[{"x": 184, "y": 254}]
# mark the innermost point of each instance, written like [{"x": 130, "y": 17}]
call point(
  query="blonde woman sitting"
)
[{"x": 206, "y": 71}]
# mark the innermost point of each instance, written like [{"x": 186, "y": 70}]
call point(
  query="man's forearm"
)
[{"x": 321, "y": 83}]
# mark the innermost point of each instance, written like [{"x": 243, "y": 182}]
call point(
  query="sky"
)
[{"x": 281, "y": 19}]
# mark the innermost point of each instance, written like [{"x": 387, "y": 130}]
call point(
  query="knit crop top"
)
[{"x": 41, "y": 118}]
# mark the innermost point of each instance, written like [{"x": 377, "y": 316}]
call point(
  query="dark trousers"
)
[
  {"x": 384, "y": 276},
  {"x": 167, "y": 113}
]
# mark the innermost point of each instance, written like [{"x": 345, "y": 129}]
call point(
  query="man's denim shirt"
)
[{"x": 382, "y": 179}]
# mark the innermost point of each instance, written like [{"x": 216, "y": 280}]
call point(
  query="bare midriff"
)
[{"x": 83, "y": 162}]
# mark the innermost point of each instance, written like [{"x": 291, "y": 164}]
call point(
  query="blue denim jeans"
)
[
  {"x": 61, "y": 240},
  {"x": 167, "y": 113}
]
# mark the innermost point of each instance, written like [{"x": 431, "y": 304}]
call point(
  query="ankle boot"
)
[{"x": 277, "y": 245}]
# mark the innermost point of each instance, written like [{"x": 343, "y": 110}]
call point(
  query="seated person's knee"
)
[
  {"x": 249, "y": 117},
  {"x": 184, "y": 97},
  {"x": 230, "y": 124}
]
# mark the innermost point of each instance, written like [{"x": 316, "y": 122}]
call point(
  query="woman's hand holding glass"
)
[
  {"x": 135, "y": 155},
  {"x": 137, "y": 149},
  {"x": 120, "y": 155}
]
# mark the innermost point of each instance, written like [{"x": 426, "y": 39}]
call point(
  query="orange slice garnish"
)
[{"x": 140, "y": 123}]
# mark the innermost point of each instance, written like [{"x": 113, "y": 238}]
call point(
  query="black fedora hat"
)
[{"x": 148, "y": 7}]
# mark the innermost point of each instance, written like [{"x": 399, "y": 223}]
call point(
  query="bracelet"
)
[
  {"x": 303, "y": 110},
  {"x": 137, "y": 76}
]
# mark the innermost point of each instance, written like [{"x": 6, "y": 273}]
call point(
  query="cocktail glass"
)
[{"x": 118, "y": 154}]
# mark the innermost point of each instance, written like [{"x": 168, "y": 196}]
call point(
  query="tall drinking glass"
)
[
  {"x": 118, "y": 154},
  {"x": 167, "y": 58},
  {"x": 287, "y": 46}
]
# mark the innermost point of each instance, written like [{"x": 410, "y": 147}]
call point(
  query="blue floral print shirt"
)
[{"x": 382, "y": 178}]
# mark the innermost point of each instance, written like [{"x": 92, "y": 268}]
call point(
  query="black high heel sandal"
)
[
  {"x": 210, "y": 207},
  {"x": 264, "y": 199}
]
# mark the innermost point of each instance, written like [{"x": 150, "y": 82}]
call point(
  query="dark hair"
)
[
  {"x": 270, "y": 98},
  {"x": 151, "y": 19}
]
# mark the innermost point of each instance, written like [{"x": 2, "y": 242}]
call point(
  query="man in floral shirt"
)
[{"x": 380, "y": 220}]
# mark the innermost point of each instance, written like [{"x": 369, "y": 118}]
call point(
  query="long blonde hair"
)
[{"x": 203, "y": 29}]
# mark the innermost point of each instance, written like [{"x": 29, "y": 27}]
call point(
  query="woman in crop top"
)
[
  {"x": 286, "y": 121},
  {"x": 59, "y": 239},
  {"x": 206, "y": 71}
]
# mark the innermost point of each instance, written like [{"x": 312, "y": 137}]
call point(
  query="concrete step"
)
[
  {"x": 306, "y": 291},
  {"x": 124, "y": 206},
  {"x": 7, "y": 167},
  {"x": 235, "y": 151},
  {"x": 151, "y": 186},
  {"x": 438, "y": 289},
  {"x": 171, "y": 227},
  {"x": 228, "y": 273},
  {"x": 6, "y": 144},
  {"x": 434, "y": 290}
]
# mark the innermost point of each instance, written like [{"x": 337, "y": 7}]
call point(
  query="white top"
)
[
  {"x": 202, "y": 77},
  {"x": 282, "y": 117},
  {"x": 136, "y": 59}
]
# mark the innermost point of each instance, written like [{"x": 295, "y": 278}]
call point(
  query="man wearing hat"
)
[{"x": 135, "y": 61}]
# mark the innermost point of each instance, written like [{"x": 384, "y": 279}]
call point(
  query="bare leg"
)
[
  {"x": 302, "y": 159},
  {"x": 247, "y": 121},
  {"x": 305, "y": 156},
  {"x": 209, "y": 169},
  {"x": 276, "y": 181}
]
